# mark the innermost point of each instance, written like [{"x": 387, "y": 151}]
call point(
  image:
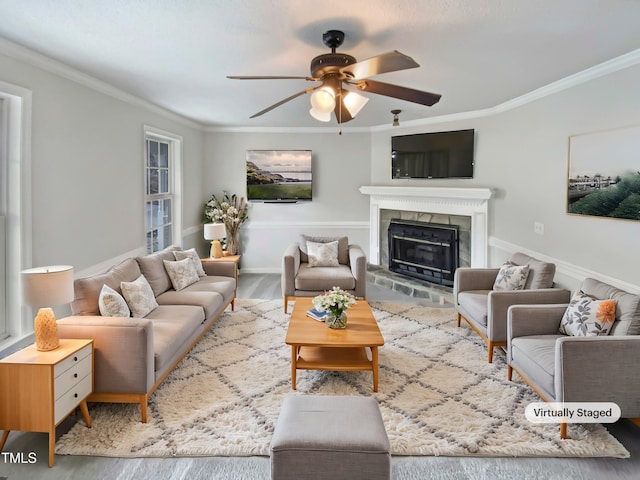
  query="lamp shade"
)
[
  {"x": 354, "y": 102},
  {"x": 323, "y": 99},
  {"x": 47, "y": 286},
  {"x": 214, "y": 231}
]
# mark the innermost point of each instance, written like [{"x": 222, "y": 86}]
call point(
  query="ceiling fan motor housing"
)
[{"x": 329, "y": 63}]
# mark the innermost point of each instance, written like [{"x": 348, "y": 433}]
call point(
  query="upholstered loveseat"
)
[{"x": 134, "y": 355}]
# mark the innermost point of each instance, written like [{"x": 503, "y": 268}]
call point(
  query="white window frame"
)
[
  {"x": 175, "y": 182},
  {"x": 16, "y": 162}
]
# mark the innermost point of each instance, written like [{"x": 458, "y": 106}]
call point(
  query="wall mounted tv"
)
[
  {"x": 433, "y": 155},
  {"x": 279, "y": 176}
]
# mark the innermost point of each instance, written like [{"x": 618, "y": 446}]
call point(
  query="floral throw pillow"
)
[
  {"x": 587, "y": 317},
  {"x": 195, "y": 258},
  {"x": 511, "y": 277},
  {"x": 323, "y": 254},
  {"x": 181, "y": 272},
  {"x": 112, "y": 304},
  {"x": 139, "y": 296}
]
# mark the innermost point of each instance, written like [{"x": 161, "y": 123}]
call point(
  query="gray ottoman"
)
[{"x": 332, "y": 437}]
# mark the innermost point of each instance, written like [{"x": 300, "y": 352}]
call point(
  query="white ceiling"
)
[{"x": 177, "y": 53}]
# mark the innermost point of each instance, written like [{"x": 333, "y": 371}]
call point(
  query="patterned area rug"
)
[{"x": 437, "y": 394}]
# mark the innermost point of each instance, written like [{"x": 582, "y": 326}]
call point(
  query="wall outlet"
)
[{"x": 538, "y": 227}]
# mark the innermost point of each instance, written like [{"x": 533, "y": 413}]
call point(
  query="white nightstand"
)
[{"x": 39, "y": 389}]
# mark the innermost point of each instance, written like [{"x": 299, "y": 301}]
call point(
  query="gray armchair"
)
[
  {"x": 485, "y": 309},
  {"x": 563, "y": 368},
  {"x": 299, "y": 279}
]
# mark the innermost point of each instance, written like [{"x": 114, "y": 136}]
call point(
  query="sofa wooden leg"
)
[
  {"x": 509, "y": 372},
  {"x": 490, "y": 354},
  {"x": 286, "y": 303},
  {"x": 459, "y": 318},
  {"x": 143, "y": 408},
  {"x": 563, "y": 431}
]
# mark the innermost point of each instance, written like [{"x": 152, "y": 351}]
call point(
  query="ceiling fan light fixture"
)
[
  {"x": 354, "y": 102},
  {"x": 320, "y": 115},
  {"x": 323, "y": 100}
]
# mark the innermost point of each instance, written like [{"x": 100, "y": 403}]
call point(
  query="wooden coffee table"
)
[{"x": 314, "y": 346}]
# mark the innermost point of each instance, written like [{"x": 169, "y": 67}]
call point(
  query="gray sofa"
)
[
  {"x": 134, "y": 355},
  {"x": 299, "y": 279},
  {"x": 563, "y": 368},
  {"x": 485, "y": 309}
]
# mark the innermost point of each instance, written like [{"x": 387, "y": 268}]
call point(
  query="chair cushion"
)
[
  {"x": 323, "y": 254},
  {"x": 475, "y": 304},
  {"x": 511, "y": 277},
  {"x": 534, "y": 356},
  {"x": 324, "y": 278},
  {"x": 540, "y": 273},
  {"x": 152, "y": 267},
  {"x": 587, "y": 317},
  {"x": 343, "y": 247},
  {"x": 627, "y": 306},
  {"x": 87, "y": 290}
]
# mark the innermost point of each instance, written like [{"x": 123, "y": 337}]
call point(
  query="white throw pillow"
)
[
  {"x": 587, "y": 317},
  {"x": 112, "y": 304},
  {"x": 181, "y": 272},
  {"x": 323, "y": 254},
  {"x": 511, "y": 277},
  {"x": 139, "y": 296},
  {"x": 195, "y": 258}
]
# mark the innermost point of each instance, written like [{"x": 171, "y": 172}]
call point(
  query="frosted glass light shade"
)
[
  {"x": 323, "y": 100},
  {"x": 322, "y": 116},
  {"x": 354, "y": 102}
]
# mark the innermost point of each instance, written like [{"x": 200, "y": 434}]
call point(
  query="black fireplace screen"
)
[{"x": 428, "y": 251}]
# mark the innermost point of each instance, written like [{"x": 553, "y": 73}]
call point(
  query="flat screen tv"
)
[
  {"x": 433, "y": 155},
  {"x": 279, "y": 175}
]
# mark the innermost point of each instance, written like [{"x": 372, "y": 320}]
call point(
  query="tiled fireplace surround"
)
[{"x": 466, "y": 207}]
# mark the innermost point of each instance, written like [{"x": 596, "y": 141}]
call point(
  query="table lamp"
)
[
  {"x": 42, "y": 288},
  {"x": 214, "y": 232}
]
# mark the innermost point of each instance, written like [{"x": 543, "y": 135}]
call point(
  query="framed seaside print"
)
[
  {"x": 279, "y": 176},
  {"x": 604, "y": 174}
]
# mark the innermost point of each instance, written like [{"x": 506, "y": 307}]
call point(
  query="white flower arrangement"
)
[{"x": 335, "y": 301}]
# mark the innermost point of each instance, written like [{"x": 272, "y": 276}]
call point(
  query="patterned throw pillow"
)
[
  {"x": 139, "y": 296},
  {"x": 511, "y": 277},
  {"x": 195, "y": 258},
  {"x": 112, "y": 304},
  {"x": 587, "y": 317},
  {"x": 182, "y": 273},
  {"x": 323, "y": 254}
]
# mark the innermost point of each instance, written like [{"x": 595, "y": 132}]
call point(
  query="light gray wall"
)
[
  {"x": 87, "y": 168},
  {"x": 340, "y": 167},
  {"x": 522, "y": 155}
]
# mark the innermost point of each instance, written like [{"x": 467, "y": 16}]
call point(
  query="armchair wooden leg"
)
[
  {"x": 563, "y": 431},
  {"x": 459, "y": 318},
  {"x": 509, "y": 372},
  {"x": 490, "y": 354}
]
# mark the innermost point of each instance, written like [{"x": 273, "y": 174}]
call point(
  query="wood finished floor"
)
[{"x": 267, "y": 286}]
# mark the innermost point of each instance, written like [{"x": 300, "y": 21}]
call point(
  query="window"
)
[{"x": 162, "y": 188}]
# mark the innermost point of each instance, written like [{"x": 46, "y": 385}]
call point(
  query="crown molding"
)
[
  {"x": 27, "y": 55},
  {"x": 60, "y": 69}
]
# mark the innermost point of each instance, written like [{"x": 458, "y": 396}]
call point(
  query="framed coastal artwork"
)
[
  {"x": 604, "y": 174},
  {"x": 279, "y": 176}
]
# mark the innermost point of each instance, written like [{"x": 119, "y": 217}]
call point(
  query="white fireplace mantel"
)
[{"x": 471, "y": 202}]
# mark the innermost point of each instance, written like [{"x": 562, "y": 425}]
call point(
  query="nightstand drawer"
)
[
  {"x": 71, "y": 360},
  {"x": 70, "y": 377},
  {"x": 71, "y": 398}
]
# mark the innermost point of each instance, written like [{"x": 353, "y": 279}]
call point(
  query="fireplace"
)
[{"x": 427, "y": 251}]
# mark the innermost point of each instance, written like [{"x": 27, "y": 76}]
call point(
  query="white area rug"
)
[{"x": 437, "y": 394}]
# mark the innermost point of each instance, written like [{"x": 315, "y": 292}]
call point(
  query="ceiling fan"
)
[{"x": 341, "y": 76}]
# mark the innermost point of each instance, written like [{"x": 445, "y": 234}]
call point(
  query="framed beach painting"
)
[{"x": 604, "y": 174}]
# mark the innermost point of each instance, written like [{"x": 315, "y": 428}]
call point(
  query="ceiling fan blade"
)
[
  {"x": 263, "y": 77},
  {"x": 281, "y": 102},
  {"x": 342, "y": 114},
  {"x": 396, "y": 91},
  {"x": 387, "y": 62}
]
